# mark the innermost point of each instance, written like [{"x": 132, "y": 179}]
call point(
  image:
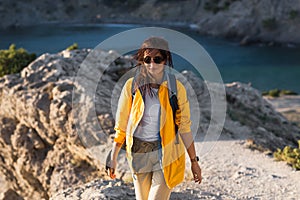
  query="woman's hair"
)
[{"x": 151, "y": 46}]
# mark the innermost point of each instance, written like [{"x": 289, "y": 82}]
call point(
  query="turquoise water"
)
[{"x": 264, "y": 67}]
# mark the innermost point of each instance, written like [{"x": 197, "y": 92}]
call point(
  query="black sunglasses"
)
[{"x": 156, "y": 59}]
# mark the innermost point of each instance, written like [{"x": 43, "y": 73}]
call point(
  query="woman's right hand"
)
[
  {"x": 111, "y": 160},
  {"x": 111, "y": 169}
]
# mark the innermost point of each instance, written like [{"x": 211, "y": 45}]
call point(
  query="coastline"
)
[{"x": 242, "y": 41}]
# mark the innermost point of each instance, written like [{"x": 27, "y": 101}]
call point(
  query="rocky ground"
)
[{"x": 230, "y": 171}]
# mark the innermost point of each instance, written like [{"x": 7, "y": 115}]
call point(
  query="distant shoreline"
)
[
  {"x": 150, "y": 23},
  {"x": 42, "y": 47}
]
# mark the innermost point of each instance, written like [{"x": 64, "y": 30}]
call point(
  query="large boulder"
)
[{"x": 41, "y": 150}]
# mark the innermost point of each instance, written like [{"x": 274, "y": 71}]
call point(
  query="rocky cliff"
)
[
  {"x": 43, "y": 148},
  {"x": 271, "y": 21}
]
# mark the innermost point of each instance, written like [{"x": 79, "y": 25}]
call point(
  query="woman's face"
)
[{"x": 154, "y": 63}]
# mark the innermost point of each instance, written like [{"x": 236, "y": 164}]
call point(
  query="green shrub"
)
[
  {"x": 278, "y": 93},
  {"x": 274, "y": 93},
  {"x": 293, "y": 14},
  {"x": 270, "y": 23},
  {"x": 212, "y": 6},
  {"x": 217, "y": 5},
  {"x": 125, "y": 4},
  {"x": 13, "y": 60},
  {"x": 288, "y": 92},
  {"x": 72, "y": 47},
  {"x": 290, "y": 155}
]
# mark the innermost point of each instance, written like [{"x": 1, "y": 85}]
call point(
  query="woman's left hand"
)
[{"x": 196, "y": 170}]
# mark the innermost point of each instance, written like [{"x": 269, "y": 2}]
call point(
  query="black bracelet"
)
[{"x": 196, "y": 159}]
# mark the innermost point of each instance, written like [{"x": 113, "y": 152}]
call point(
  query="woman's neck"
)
[{"x": 158, "y": 78}]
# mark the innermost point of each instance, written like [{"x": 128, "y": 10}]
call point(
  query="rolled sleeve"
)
[
  {"x": 183, "y": 113},
  {"x": 120, "y": 136},
  {"x": 123, "y": 112}
]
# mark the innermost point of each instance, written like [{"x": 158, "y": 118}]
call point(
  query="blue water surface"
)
[{"x": 264, "y": 67}]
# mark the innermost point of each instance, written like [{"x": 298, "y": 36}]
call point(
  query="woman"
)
[{"x": 145, "y": 121}]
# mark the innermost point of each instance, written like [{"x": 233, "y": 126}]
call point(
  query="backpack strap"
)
[
  {"x": 132, "y": 88},
  {"x": 172, "y": 86}
]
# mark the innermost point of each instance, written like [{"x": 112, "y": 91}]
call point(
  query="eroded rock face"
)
[
  {"x": 268, "y": 128},
  {"x": 41, "y": 151},
  {"x": 59, "y": 107}
]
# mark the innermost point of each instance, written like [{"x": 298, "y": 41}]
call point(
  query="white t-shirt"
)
[{"x": 148, "y": 129}]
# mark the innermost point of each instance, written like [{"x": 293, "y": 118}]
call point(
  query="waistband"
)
[{"x": 140, "y": 146}]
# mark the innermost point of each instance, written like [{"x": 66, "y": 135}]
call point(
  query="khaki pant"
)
[
  {"x": 148, "y": 179},
  {"x": 151, "y": 186}
]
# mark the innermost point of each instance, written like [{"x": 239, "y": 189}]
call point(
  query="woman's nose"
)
[{"x": 152, "y": 63}]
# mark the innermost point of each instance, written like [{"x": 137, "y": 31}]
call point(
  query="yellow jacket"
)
[{"x": 129, "y": 114}]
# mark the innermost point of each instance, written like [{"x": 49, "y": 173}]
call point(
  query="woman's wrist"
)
[{"x": 194, "y": 159}]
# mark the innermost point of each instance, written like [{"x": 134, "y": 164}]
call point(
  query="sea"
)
[{"x": 264, "y": 67}]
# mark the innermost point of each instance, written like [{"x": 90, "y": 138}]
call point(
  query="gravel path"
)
[{"x": 230, "y": 171}]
